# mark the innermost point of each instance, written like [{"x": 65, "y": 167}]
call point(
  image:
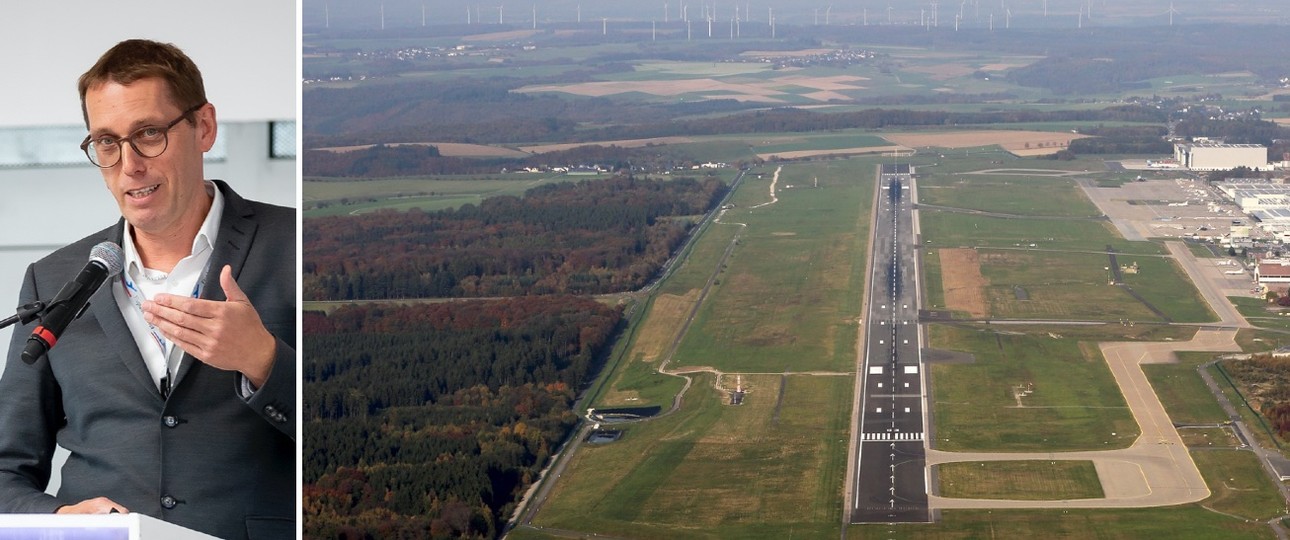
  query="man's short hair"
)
[{"x": 135, "y": 59}]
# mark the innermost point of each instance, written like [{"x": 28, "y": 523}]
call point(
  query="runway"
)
[{"x": 889, "y": 461}]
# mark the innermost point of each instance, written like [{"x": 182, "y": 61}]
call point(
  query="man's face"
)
[{"x": 160, "y": 195}]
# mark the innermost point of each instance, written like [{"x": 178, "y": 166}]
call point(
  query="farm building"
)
[{"x": 1221, "y": 157}]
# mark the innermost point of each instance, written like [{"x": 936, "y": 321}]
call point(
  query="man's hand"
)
[
  {"x": 98, "y": 505},
  {"x": 227, "y": 335}
]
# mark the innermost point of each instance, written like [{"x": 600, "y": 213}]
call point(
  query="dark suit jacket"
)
[{"x": 205, "y": 458}]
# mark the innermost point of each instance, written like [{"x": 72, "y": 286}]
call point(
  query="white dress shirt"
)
[{"x": 183, "y": 280}]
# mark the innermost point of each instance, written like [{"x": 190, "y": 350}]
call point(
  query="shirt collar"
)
[{"x": 204, "y": 240}]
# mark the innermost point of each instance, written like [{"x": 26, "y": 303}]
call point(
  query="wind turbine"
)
[
  {"x": 326, "y": 15},
  {"x": 1172, "y": 11},
  {"x": 382, "y": 15},
  {"x": 828, "y": 11}
]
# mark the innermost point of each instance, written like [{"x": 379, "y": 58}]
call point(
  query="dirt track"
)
[{"x": 963, "y": 283}]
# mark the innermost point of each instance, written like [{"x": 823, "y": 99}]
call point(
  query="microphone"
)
[{"x": 106, "y": 260}]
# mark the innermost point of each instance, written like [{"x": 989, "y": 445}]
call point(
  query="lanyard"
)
[{"x": 164, "y": 345}]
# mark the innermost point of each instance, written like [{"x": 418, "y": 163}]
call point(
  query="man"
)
[{"x": 175, "y": 391}]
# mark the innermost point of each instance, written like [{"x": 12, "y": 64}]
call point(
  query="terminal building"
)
[{"x": 1221, "y": 157}]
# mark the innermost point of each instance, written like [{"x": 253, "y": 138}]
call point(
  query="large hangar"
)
[{"x": 1221, "y": 157}]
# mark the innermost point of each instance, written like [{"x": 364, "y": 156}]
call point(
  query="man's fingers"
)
[
  {"x": 232, "y": 291},
  {"x": 166, "y": 305},
  {"x": 97, "y": 505}
]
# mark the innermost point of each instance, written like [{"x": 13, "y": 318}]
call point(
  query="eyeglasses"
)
[{"x": 148, "y": 141}]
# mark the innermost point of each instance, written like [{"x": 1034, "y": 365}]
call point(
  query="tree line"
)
[
  {"x": 383, "y": 161},
  {"x": 430, "y": 420},
  {"x": 589, "y": 237},
  {"x": 1265, "y": 383}
]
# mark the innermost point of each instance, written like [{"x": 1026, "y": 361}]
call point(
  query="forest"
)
[
  {"x": 430, "y": 420},
  {"x": 1123, "y": 140},
  {"x": 590, "y": 237},
  {"x": 1265, "y": 383},
  {"x": 382, "y": 161}
]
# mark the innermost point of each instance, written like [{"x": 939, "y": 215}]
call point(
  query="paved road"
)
[{"x": 1207, "y": 281}]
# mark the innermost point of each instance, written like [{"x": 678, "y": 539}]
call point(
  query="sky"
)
[{"x": 366, "y": 14}]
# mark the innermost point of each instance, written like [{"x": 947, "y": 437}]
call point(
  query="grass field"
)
[
  {"x": 1011, "y": 194},
  {"x": 772, "y": 467},
  {"x": 1164, "y": 284},
  {"x": 1254, "y": 340},
  {"x": 765, "y": 469},
  {"x": 950, "y": 229},
  {"x": 822, "y": 142},
  {"x": 1055, "y": 285},
  {"x": 976, "y": 409},
  {"x": 1260, "y": 313},
  {"x": 933, "y": 292},
  {"x": 1175, "y": 523},
  {"x": 1183, "y": 392},
  {"x": 785, "y": 301},
  {"x": 344, "y": 197},
  {"x": 630, "y": 380},
  {"x": 1238, "y": 484},
  {"x": 1020, "y": 480},
  {"x": 1208, "y": 438},
  {"x": 1045, "y": 268}
]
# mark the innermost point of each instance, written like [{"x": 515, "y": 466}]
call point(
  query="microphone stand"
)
[{"x": 25, "y": 314}]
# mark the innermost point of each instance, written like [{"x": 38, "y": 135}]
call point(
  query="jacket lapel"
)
[
  {"x": 105, "y": 310},
  {"x": 233, "y": 241}
]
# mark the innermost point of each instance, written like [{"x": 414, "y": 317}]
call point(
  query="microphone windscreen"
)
[{"x": 110, "y": 255}]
